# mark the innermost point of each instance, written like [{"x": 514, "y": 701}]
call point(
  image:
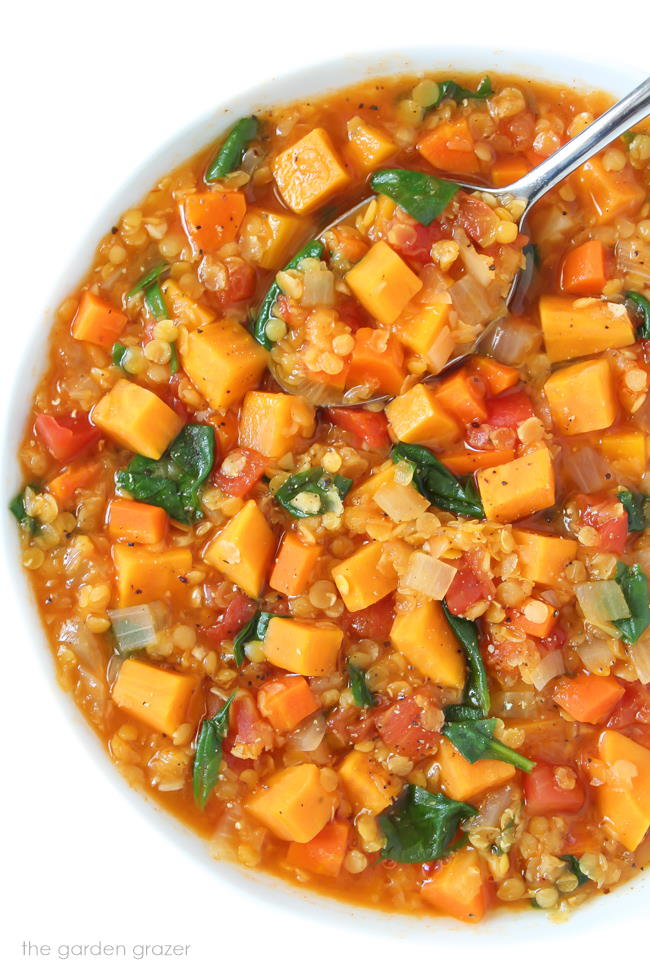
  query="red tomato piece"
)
[
  {"x": 248, "y": 466},
  {"x": 373, "y": 623},
  {"x": 368, "y": 429},
  {"x": 544, "y": 796},
  {"x": 66, "y": 436},
  {"x": 475, "y": 217},
  {"x": 248, "y": 733},
  {"x": 469, "y": 585},
  {"x": 509, "y": 410},
  {"x": 414, "y": 240},
  {"x": 352, "y": 313},
  {"x": 350, "y": 725},
  {"x": 411, "y": 727},
  {"x": 555, "y": 640},
  {"x": 239, "y": 612},
  {"x": 609, "y": 522},
  {"x": 241, "y": 281}
]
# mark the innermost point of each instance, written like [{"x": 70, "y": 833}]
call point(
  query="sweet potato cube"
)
[
  {"x": 367, "y": 783},
  {"x": 624, "y": 802},
  {"x": 286, "y": 701},
  {"x": 427, "y": 641},
  {"x": 294, "y": 565},
  {"x": 582, "y": 397},
  {"x": 309, "y": 172},
  {"x": 608, "y": 195},
  {"x": 302, "y": 646},
  {"x": 377, "y": 362},
  {"x": 243, "y": 550},
  {"x": 160, "y": 698},
  {"x": 571, "y": 331},
  {"x": 212, "y": 219},
  {"x": 450, "y": 147},
  {"x": 365, "y": 577},
  {"x": 417, "y": 417},
  {"x": 137, "y": 419},
  {"x": 462, "y": 395},
  {"x": 293, "y": 803},
  {"x": 463, "y": 780},
  {"x": 368, "y": 488},
  {"x": 544, "y": 558},
  {"x": 469, "y": 461},
  {"x": 518, "y": 489},
  {"x": 223, "y": 361},
  {"x": 368, "y": 145},
  {"x": 324, "y": 854},
  {"x": 271, "y": 422},
  {"x": 269, "y": 239},
  {"x": 184, "y": 309},
  {"x": 144, "y": 576},
  {"x": 627, "y": 450},
  {"x": 508, "y": 169},
  {"x": 420, "y": 324},
  {"x": 496, "y": 376},
  {"x": 459, "y": 887},
  {"x": 383, "y": 283},
  {"x": 97, "y": 321}
]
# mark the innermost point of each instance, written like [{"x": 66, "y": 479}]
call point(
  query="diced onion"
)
[
  {"x": 427, "y": 575},
  {"x": 308, "y": 735},
  {"x": 136, "y": 627},
  {"x": 401, "y": 502},
  {"x": 492, "y": 808},
  {"x": 602, "y": 601},
  {"x": 633, "y": 257},
  {"x": 477, "y": 265},
  {"x": 438, "y": 355},
  {"x": 640, "y": 656},
  {"x": 318, "y": 287},
  {"x": 77, "y": 637},
  {"x": 586, "y": 468},
  {"x": 597, "y": 655},
  {"x": 514, "y": 704},
  {"x": 471, "y": 301},
  {"x": 511, "y": 342},
  {"x": 550, "y": 666}
]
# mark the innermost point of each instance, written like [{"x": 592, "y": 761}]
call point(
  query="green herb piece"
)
[
  {"x": 475, "y": 740},
  {"x": 313, "y": 492},
  {"x": 313, "y": 249},
  {"x": 207, "y": 758},
  {"x": 637, "y": 507},
  {"x": 451, "y": 89},
  {"x": 117, "y": 354},
  {"x": 574, "y": 867},
  {"x": 173, "y": 361},
  {"x": 17, "y": 508},
  {"x": 230, "y": 155},
  {"x": 640, "y": 308},
  {"x": 422, "y": 196},
  {"x": 174, "y": 481},
  {"x": 634, "y": 583},
  {"x": 628, "y": 137},
  {"x": 422, "y": 825},
  {"x": 255, "y": 629},
  {"x": 363, "y": 697},
  {"x": 148, "y": 279},
  {"x": 477, "y": 690},
  {"x": 155, "y": 302},
  {"x": 435, "y": 482}
]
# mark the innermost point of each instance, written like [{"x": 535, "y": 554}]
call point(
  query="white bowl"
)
[{"x": 521, "y": 927}]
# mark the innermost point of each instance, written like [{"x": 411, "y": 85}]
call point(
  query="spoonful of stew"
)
[{"x": 414, "y": 278}]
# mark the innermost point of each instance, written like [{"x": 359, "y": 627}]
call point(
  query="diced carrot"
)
[
  {"x": 64, "y": 486},
  {"x": 294, "y": 565},
  {"x": 212, "y": 219},
  {"x": 377, "y": 361},
  {"x": 587, "y": 697},
  {"x": 450, "y": 147},
  {"x": 324, "y": 854},
  {"x": 496, "y": 376},
  {"x": 459, "y": 887},
  {"x": 463, "y": 395},
  {"x": 132, "y": 521},
  {"x": 468, "y": 461},
  {"x": 536, "y": 618},
  {"x": 97, "y": 321},
  {"x": 508, "y": 169},
  {"x": 608, "y": 194},
  {"x": 584, "y": 270},
  {"x": 286, "y": 701}
]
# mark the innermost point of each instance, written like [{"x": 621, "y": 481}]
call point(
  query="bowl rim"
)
[{"x": 318, "y": 79}]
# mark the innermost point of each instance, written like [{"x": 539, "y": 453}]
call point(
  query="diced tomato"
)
[
  {"x": 249, "y": 466},
  {"x": 352, "y": 313},
  {"x": 367, "y": 428},
  {"x": 555, "y": 640},
  {"x": 170, "y": 396},
  {"x": 509, "y": 410},
  {"x": 239, "y": 612},
  {"x": 411, "y": 726},
  {"x": 609, "y": 520},
  {"x": 632, "y": 710},
  {"x": 520, "y": 129},
  {"x": 414, "y": 240},
  {"x": 469, "y": 585},
  {"x": 66, "y": 436},
  {"x": 241, "y": 281},
  {"x": 373, "y": 623},
  {"x": 348, "y": 726},
  {"x": 544, "y": 796},
  {"x": 248, "y": 733},
  {"x": 475, "y": 217}
]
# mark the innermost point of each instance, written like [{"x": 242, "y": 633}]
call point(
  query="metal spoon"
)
[{"x": 632, "y": 108}]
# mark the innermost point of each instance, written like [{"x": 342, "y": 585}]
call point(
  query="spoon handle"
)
[{"x": 632, "y": 108}]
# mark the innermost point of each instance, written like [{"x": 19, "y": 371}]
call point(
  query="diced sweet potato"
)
[
  {"x": 159, "y": 698},
  {"x": 627, "y": 450},
  {"x": 286, "y": 701},
  {"x": 572, "y": 330},
  {"x": 427, "y": 641},
  {"x": 309, "y": 172},
  {"x": 469, "y": 461},
  {"x": 271, "y": 422},
  {"x": 223, "y": 361},
  {"x": 137, "y": 419},
  {"x": 450, "y": 147},
  {"x": 417, "y": 417},
  {"x": 293, "y": 803},
  {"x": 97, "y": 321},
  {"x": 383, "y": 283},
  {"x": 324, "y": 854},
  {"x": 303, "y": 647},
  {"x": 368, "y": 145},
  {"x": 294, "y": 565},
  {"x": 367, "y": 783},
  {"x": 212, "y": 219},
  {"x": 420, "y": 324},
  {"x": 463, "y": 780},
  {"x": 365, "y": 577},
  {"x": 508, "y": 169},
  {"x": 377, "y": 362},
  {"x": 624, "y": 800},
  {"x": 543, "y": 558},
  {"x": 144, "y": 576},
  {"x": 270, "y": 239},
  {"x": 243, "y": 550},
  {"x": 462, "y": 395},
  {"x": 184, "y": 309},
  {"x": 582, "y": 397},
  {"x": 459, "y": 887},
  {"x": 518, "y": 489},
  {"x": 608, "y": 194}
]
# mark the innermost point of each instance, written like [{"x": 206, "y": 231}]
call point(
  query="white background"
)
[{"x": 88, "y": 90}]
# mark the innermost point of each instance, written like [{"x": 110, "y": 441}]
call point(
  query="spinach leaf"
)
[
  {"x": 640, "y": 308},
  {"x": 421, "y": 195},
  {"x": 363, "y": 697},
  {"x": 155, "y": 302},
  {"x": 207, "y": 758},
  {"x": 326, "y": 491},
  {"x": 477, "y": 690},
  {"x": 475, "y": 740},
  {"x": 230, "y": 155},
  {"x": 148, "y": 279},
  {"x": 313, "y": 249},
  {"x": 451, "y": 89},
  {"x": 422, "y": 825},
  {"x": 574, "y": 867},
  {"x": 174, "y": 481},
  {"x": 117, "y": 354},
  {"x": 442, "y": 488},
  {"x": 255, "y": 629},
  {"x": 637, "y": 507},
  {"x": 634, "y": 583},
  {"x": 17, "y": 508}
]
